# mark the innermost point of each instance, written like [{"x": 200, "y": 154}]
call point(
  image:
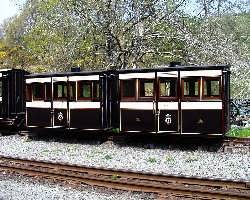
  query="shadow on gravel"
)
[
  {"x": 70, "y": 138},
  {"x": 146, "y": 141},
  {"x": 173, "y": 142}
]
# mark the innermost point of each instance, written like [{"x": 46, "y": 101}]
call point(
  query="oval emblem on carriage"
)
[
  {"x": 168, "y": 119},
  {"x": 60, "y": 116}
]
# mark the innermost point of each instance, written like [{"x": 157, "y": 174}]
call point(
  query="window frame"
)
[
  {"x": 164, "y": 98},
  {"x": 147, "y": 98},
  {"x": 32, "y": 92},
  {"x": 203, "y": 88},
  {"x": 1, "y": 87},
  {"x": 28, "y": 93},
  {"x": 78, "y": 91},
  {"x": 73, "y": 97},
  {"x": 182, "y": 87},
  {"x": 127, "y": 98},
  {"x": 55, "y": 95},
  {"x": 46, "y": 98},
  {"x": 95, "y": 85}
]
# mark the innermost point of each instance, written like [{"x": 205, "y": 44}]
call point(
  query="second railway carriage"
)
[
  {"x": 67, "y": 101},
  {"x": 12, "y": 99},
  {"x": 179, "y": 99}
]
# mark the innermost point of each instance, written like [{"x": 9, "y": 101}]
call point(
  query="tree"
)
[{"x": 56, "y": 35}]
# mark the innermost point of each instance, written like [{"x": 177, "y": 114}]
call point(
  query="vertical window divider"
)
[
  {"x": 76, "y": 90},
  {"x": 136, "y": 89},
  {"x": 201, "y": 88}
]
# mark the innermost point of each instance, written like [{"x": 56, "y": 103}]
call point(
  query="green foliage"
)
[
  {"x": 152, "y": 160},
  {"x": 115, "y": 177},
  {"x": 239, "y": 132},
  {"x": 170, "y": 159},
  {"x": 115, "y": 130},
  {"x": 108, "y": 157},
  {"x": 124, "y": 34},
  {"x": 191, "y": 158}
]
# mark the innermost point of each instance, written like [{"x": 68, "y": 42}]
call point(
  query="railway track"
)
[
  {"x": 232, "y": 144},
  {"x": 233, "y": 140},
  {"x": 128, "y": 180}
]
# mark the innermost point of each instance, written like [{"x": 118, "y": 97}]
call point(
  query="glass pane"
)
[
  {"x": 38, "y": 91},
  {"x": 196, "y": 90},
  {"x": 191, "y": 88},
  {"x": 96, "y": 90},
  {"x": 205, "y": 88},
  {"x": 28, "y": 92},
  {"x": 1, "y": 86},
  {"x": 211, "y": 88},
  {"x": 85, "y": 89},
  {"x": 215, "y": 88},
  {"x": 60, "y": 90},
  {"x": 168, "y": 88},
  {"x": 72, "y": 89},
  {"x": 186, "y": 88},
  {"x": 48, "y": 91},
  {"x": 146, "y": 88},
  {"x": 128, "y": 88}
]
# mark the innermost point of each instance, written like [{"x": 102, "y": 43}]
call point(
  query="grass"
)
[
  {"x": 239, "y": 132},
  {"x": 190, "y": 159},
  {"x": 151, "y": 160},
  {"x": 108, "y": 157},
  {"x": 170, "y": 159},
  {"x": 115, "y": 177}
]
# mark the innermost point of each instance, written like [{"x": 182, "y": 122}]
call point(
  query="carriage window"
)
[
  {"x": 47, "y": 91},
  {"x": 146, "y": 88},
  {"x": 72, "y": 90},
  {"x": 95, "y": 89},
  {"x": 38, "y": 91},
  {"x": 84, "y": 90},
  {"x": 128, "y": 88},
  {"x": 168, "y": 88},
  {"x": 1, "y": 88},
  {"x": 60, "y": 90},
  {"x": 28, "y": 92},
  {"x": 211, "y": 87},
  {"x": 190, "y": 87}
]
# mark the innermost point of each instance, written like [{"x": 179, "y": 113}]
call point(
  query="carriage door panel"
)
[
  {"x": 167, "y": 101},
  {"x": 137, "y": 106},
  {"x": 60, "y": 97},
  {"x": 38, "y": 102},
  {"x": 85, "y": 112},
  {"x": 201, "y": 103}
]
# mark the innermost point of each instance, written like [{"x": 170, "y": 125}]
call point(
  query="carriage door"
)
[
  {"x": 60, "y": 101},
  {"x": 138, "y": 105},
  {"x": 38, "y": 102},
  {"x": 167, "y": 102},
  {"x": 85, "y": 107}
]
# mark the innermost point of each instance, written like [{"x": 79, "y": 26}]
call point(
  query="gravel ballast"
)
[
  {"x": 235, "y": 166},
  {"x": 21, "y": 188}
]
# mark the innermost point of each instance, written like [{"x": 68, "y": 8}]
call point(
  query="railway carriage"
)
[
  {"x": 170, "y": 100},
  {"x": 12, "y": 99},
  {"x": 179, "y": 99},
  {"x": 67, "y": 101}
]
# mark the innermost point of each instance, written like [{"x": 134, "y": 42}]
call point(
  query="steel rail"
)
[
  {"x": 129, "y": 180},
  {"x": 245, "y": 141}
]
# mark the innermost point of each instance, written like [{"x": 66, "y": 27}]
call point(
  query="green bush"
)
[{"x": 239, "y": 132}]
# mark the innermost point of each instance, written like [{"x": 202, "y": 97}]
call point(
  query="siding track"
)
[{"x": 128, "y": 180}]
